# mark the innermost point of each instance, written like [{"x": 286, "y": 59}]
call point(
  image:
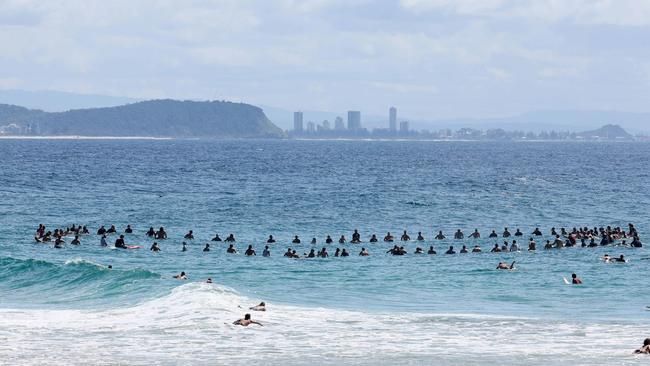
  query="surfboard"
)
[
  {"x": 566, "y": 282},
  {"x": 133, "y": 247}
]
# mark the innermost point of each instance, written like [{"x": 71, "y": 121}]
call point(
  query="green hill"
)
[{"x": 156, "y": 118}]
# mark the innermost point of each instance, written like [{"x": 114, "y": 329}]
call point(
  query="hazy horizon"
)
[{"x": 433, "y": 59}]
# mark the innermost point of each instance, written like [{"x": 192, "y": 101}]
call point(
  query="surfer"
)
[
  {"x": 575, "y": 280},
  {"x": 270, "y": 240},
  {"x": 266, "y": 252},
  {"x": 506, "y": 233},
  {"x": 356, "y": 237},
  {"x": 151, "y": 232},
  {"x": 493, "y": 234},
  {"x": 504, "y": 265},
  {"x": 431, "y": 250},
  {"x": 532, "y": 246},
  {"x": 420, "y": 237},
  {"x": 313, "y": 241},
  {"x": 250, "y": 251},
  {"x": 111, "y": 230},
  {"x": 342, "y": 239},
  {"x": 514, "y": 247},
  {"x": 119, "y": 242},
  {"x": 128, "y": 230},
  {"x": 181, "y": 276},
  {"x": 323, "y": 253},
  {"x": 477, "y": 249},
  {"x": 246, "y": 321},
  {"x": 418, "y": 250},
  {"x": 216, "y": 237},
  {"x": 459, "y": 235},
  {"x": 388, "y": 238},
  {"x": 537, "y": 232},
  {"x": 259, "y": 307},
  {"x": 495, "y": 249},
  {"x": 450, "y": 250},
  {"x": 161, "y": 234},
  {"x": 373, "y": 238},
  {"x": 231, "y": 238},
  {"x": 329, "y": 240},
  {"x": 475, "y": 234},
  {"x": 231, "y": 249},
  {"x": 364, "y": 252},
  {"x": 101, "y": 230},
  {"x": 76, "y": 240},
  {"x": 464, "y": 250},
  {"x": 620, "y": 259},
  {"x": 189, "y": 235},
  {"x": 206, "y": 249},
  {"x": 518, "y": 233},
  {"x": 645, "y": 349},
  {"x": 154, "y": 247},
  {"x": 440, "y": 236},
  {"x": 102, "y": 241},
  {"x": 295, "y": 240},
  {"x": 344, "y": 253}
]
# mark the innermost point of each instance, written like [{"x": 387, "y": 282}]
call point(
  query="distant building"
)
[
  {"x": 326, "y": 125},
  {"x": 311, "y": 127},
  {"x": 338, "y": 124},
  {"x": 297, "y": 121},
  {"x": 354, "y": 120},
  {"x": 392, "y": 119},
  {"x": 404, "y": 126}
]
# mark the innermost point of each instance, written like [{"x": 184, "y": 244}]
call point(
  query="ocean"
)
[{"x": 64, "y": 306}]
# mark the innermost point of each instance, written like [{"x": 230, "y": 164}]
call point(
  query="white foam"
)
[{"x": 193, "y": 325}]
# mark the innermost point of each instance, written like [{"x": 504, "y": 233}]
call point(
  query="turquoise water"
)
[{"x": 378, "y": 309}]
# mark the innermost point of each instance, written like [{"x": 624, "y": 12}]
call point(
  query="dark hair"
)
[{"x": 247, "y": 317}]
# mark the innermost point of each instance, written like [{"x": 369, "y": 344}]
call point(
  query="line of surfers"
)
[{"x": 605, "y": 236}]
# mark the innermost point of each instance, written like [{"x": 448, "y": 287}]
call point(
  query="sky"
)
[{"x": 429, "y": 58}]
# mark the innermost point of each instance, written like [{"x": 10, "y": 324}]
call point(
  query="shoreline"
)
[{"x": 78, "y": 137}]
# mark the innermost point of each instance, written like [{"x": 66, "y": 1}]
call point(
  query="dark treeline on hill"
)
[{"x": 156, "y": 118}]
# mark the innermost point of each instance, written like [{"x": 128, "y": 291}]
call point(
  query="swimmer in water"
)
[
  {"x": 548, "y": 245},
  {"x": 206, "y": 249},
  {"x": 532, "y": 246},
  {"x": 418, "y": 250},
  {"x": 464, "y": 250},
  {"x": 102, "y": 241},
  {"x": 259, "y": 307},
  {"x": 323, "y": 253},
  {"x": 111, "y": 230},
  {"x": 216, "y": 238},
  {"x": 496, "y": 249},
  {"x": 231, "y": 249},
  {"x": 373, "y": 238},
  {"x": 76, "y": 240},
  {"x": 189, "y": 235},
  {"x": 266, "y": 252},
  {"x": 514, "y": 247},
  {"x": 161, "y": 234},
  {"x": 356, "y": 237},
  {"x": 459, "y": 235},
  {"x": 184, "y": 248},
  {"x": 344, "y": 253},
  {"x": 154, "y": 247},
  {"x": 607, "y": 258},
  {"x": 620, "y": 259},
  {"x": 209, "y": 280},
  {"x": 101, "y": 230},
  {"x": 270, "y": 240},
  {"x": 506, "y": 233},
  {"x": 575, "y": 280},
  {"x": 440, "y": 236},
  {"x": 645, "y": 349},
  {"x": 246, "y": 321},
  {"x": 337, "y": 252},
  {"x": 342, "y": 239},
  {"x": 420, "y": 237},
  {"x": 493, "y": 234},
  {"x": 295, "y": 240},
  {"x": 477, "y": 249},
  {"x": 518, "y": 233},
  {"x": 388, "y": 237},
  {"x": 504, "y": 247},
  {"x": 128, "y": 230},
  {"x": 181, "y": 276},
  {"x": 250, "y": 251},
  {"x": 537, "y": 232},
  {"x": 636, "y": 242},
  {"x": 450, "y": 250},
  {"x": 405, "y": 236},
  {"x": 313, "y": 241},
  {"x": 475, "y": 234},
  {"x": 503, "y": 265},
  {"x": 364, "y": 252},
  {"x": 231, "y": 238},
  {"x": 329, "y": 240},
  {"x": 312, "y": 253},
  {"x": 151, "y": 232},
  {"x": 431, "y": 251},
  {"x": 288, "y": 253},
  {"x": 58, "y": 243}
]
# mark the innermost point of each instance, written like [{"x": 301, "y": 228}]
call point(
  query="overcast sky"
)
[{"x": 430, "y": 58}]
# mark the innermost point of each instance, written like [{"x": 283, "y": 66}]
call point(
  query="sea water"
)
[{"x": 65, "y": 306}]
